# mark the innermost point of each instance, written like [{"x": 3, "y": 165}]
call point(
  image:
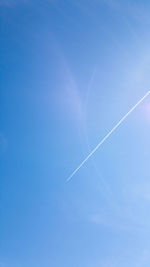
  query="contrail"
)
[{"x": 106, "y": 136}]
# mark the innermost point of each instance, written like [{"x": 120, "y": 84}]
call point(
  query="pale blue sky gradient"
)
[{"x": 69, "y": 71}]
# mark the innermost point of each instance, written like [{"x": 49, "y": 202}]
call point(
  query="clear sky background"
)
[{"x": 69, "y": 71}]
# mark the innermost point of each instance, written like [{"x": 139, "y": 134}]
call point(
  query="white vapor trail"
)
[{"x": 106, "y": 136}]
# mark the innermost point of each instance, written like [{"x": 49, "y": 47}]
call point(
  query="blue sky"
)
[{"x": 69, "y": 71}]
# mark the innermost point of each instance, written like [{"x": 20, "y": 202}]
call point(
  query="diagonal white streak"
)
[{"x": 106, "y": 136}]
